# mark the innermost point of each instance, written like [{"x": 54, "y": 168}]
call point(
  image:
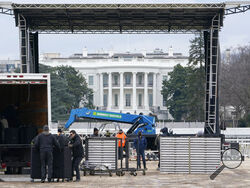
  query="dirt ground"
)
[{"x": 228, "y": 178}]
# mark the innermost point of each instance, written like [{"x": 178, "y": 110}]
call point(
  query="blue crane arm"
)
[{"x": 147, "y": 122}]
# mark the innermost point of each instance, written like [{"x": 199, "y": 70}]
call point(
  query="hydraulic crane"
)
[{"x": 145, "y": 124}]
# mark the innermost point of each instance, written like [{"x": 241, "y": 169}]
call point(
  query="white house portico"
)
[{"x": 125, "y": 82}]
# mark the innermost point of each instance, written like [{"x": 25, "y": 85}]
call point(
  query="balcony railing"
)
[
  {"x": 139, "y": 84},
  {"x": 115, "y": 85},
  {"x": 128, "y": 85}
]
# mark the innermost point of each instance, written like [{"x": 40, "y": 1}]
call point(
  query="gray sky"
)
[{"x": 236, "y": 32}]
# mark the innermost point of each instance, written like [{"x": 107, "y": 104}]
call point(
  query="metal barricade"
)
[
  {"x": 189, "y": 154},
  {"x": 101, "y": 155},
  {"x": 130, "y": 164}
]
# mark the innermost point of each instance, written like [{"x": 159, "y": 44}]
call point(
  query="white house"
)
[{"x": 124, "y": 82}]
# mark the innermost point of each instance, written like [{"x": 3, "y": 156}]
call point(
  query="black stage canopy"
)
[
  {"x": 127, "y": 18},
  {"x": 118, "y": 18}
]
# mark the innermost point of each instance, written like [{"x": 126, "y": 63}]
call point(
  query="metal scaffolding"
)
[
  {"x": 131, "y": 19},
  {"x": 7, "y": 11},
  {"x": 238, "y": 9},
  {"x": 121, "y": 6},
  {"x": 23, "y": 39},
  {"x": 211, "y": 38}
]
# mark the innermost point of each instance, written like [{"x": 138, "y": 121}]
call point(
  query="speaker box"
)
[
  {"x": 35, "y": 164},
  {"x": 26, "y": 134},
  {"x": 62, "y": 163},
  {"x": 1, "y": 134},
  {"x": 11, "y": 136}
]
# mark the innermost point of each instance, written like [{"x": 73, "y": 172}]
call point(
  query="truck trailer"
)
[{"x": 25, "y": 107}]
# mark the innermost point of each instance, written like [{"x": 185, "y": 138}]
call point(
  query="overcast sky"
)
[{"x": 235, "y": 32}]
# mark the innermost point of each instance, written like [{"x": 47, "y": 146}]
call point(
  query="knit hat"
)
[{"x": 45, "y": 128}]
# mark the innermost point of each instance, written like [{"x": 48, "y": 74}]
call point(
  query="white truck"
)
[{"x": 25, "y": 104}]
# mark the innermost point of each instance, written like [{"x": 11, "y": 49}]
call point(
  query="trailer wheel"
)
[{"x": 118, "y": 173}]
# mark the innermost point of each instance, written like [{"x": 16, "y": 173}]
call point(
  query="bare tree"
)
[{"x": 235, "y": 80}]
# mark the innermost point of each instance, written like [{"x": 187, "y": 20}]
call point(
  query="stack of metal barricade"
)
[
  {"x": 190, "y": 154},
  {"x": 101, "y": 155}
]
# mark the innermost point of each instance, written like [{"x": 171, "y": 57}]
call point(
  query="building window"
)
[
  {"x": 116, "y": 80},
  {"x": 150, "y": 80},
  {"x": 91, "y": 80},
  {"x": 164, "y": 78},
  {"x": 140, "y": 79},
  {"x": 105, "y": 100},
  {"x": 150, "y": 98},
  {"x": 164, "y": 102},
  {"x": 116, "y": 100},
  {"x": 140, "y": 100},
  {"x": 128, "y": 79},
  {"x": 128, "y": 100},
  {"x": 105, "y": 80},
  {"x": 91, "y": 99}
]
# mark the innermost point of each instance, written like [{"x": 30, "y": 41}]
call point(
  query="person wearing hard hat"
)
[{"x": 121, "y": 142}]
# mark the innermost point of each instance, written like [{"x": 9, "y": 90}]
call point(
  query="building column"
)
[
  {"x": 101, "y": 89},
  {"x": 146, "y": 91},
  {"x": 121, "y": 92},
  {"x": 154, "y": 89},
  {"x": 134, "y": 90},
  {"x": 110, "y": 91}
]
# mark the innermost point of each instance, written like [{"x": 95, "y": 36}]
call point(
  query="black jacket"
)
[
  {"x": 62, "y": 140},
  {"x": 77, "y": 148},
  {"x": 46, "y": 141}
]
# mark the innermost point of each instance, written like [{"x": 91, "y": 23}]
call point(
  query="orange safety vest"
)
[{"x": 123, "y": 138}]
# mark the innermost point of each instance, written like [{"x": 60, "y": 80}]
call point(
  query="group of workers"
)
[{"x": 45, "y": 142}]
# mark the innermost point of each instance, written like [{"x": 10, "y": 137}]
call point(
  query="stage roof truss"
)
[{"x": 118, "y": 18}]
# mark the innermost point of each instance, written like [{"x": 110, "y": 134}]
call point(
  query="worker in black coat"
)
[
  {"x": 59, "y": 155},
  {"x": 62, "y": 139},
  {"x": 77, "y": 150},
  {"x": 45, "y": 142}
]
